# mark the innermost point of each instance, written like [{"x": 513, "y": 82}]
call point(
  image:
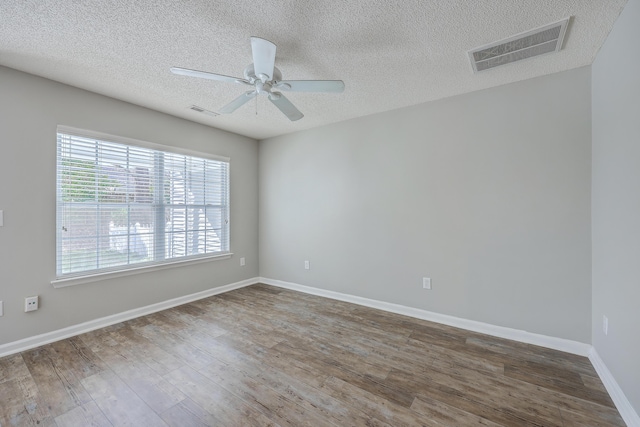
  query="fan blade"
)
[
  {"x": 264, "y": 57},
  {"x": 285, "y": 106},
  {"x": 335, "y": 86},
  {"x": 238, "y": 102},
  {"x": 205, "y": 75}
]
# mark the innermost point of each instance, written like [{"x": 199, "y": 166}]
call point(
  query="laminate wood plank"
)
[
  {"x": 238, "y": 349},
  {"x": 571, "y": 405},
  {"x": 159, "y": 395},
  {"x": 272, "y": 314},
  {"x": 346, "y": 355},
  {"x": 386, "y": 320},
  {"x": 222, "y": 351},
  {"x": 530, "y": 354},
  {"x": 443, "y": 414},
  {"x": 558, "y": 384},
  {"x": 482, "y": 391},
  {"x": 75, "y": 356},
  {"x": 118, "y": 402},
  {"x": 416, "y": 356},
  {"x": 270, "y": 328},
  {"x": 349, "y": 374},
  {"x": 312, "y": 399},
  {"x": 59, "y": 389},
  {"x": 144, "y": 381},
  {"x": 373, "y": 404},
  {"x": 324, "y": 340},
  {"x": 565, "y": 402},
  {"x": 87, "y": 415},
  {"x": 593, "y": 383},
  {"x": 188, "y": 414},
  {"x": 137, "y": 347},
  {"x": 568, "y": 377},
  {"x": 321, "y": 314},
  {"x": 307, "y": 300},
  {"x": 196, "y": 319},
  {"x": 448, "y": 336},
  {"x": 464, "y": 402},
  {"x": 581, "y": 419},
  {"x": 343, "y": 330},
  {"x": 278, "y": 407},
  {"x": 233, "y": 320},
  {"x": 298, "y": 391},
  {"x": 225, "y": 407},
  {"x": 98, "y": 339},
  {"x": 202, "y": 327},
  {"x": 308, "y": 315},
  {"x": 12, "y": 367},
  {"x": 523, "y": 391},
  {"x": 514, "y": 397},
  {"x": 573, "y": 361},
  {"x": 377, "y": 339},
  {"x": 124, "y": 351},
  {"x": 174, "y": 344},
  {"x": 517, "y": 357},
  {"x": 21, "y": 404},
  {"x": 451, "y": 359},
  {"x": 261, "y": 287},
  {"x": 312, "y": 308},
  {"x": 374, "y": 347}
]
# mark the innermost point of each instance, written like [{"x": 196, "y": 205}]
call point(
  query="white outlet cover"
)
[
  {"x": 426, "y": 283},
  {"x": 242, "y": 261},
  {"x": 306, "y": 265},
  {"x": 30, "y": 304}
]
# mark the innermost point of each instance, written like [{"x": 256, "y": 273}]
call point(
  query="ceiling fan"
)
[{"x": 265, "y": 78}]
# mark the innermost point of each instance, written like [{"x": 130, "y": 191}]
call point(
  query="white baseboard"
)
[
  {"x": 628, "y": 414},
  {"x": 560, "y": 344},
  {"x": 60, "y": 334}
]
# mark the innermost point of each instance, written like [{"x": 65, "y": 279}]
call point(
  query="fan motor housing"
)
[{"x": 250, "y": 74}]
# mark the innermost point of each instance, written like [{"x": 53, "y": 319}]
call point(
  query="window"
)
[{"x": 121, "y": 206}]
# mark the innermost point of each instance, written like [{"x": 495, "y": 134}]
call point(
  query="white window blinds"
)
[{"x": 120, "y": 206}]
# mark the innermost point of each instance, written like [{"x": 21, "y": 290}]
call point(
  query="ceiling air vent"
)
[
  {"x": 203, "y": 111},
  {"x": 532, "y": 43}
]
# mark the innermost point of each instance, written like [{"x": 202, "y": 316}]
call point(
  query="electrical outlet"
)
[
  {"x": 1, "y": 309},
  {"x": 426, "y": 283},
  {"x": 306, "y": 265},
  {"x": 242, "y": 262},
  {"x": 31, "y": 303},
  {"x": 605, "y": 325}
]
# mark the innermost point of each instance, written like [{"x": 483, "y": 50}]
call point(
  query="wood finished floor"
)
[{"x": 263, "y": 356}]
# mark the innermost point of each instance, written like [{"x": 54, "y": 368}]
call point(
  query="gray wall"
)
[
  {"x": 486, "y": 193},
  {"x": 616, "y": 202},
  {"x": 30, "y": 110}
]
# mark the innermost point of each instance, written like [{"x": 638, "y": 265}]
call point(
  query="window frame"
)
[{"x": 93, "y": 275}]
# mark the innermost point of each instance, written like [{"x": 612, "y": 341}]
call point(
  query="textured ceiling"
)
[{"x": 389, "y": 53}]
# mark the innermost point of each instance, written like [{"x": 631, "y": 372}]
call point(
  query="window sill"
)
[{"x": 79, "y": 280}]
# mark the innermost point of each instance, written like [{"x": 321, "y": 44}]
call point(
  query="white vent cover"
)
[
  {"x": 532, "y": 43},
  {"x": 203, "y": 111}
]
